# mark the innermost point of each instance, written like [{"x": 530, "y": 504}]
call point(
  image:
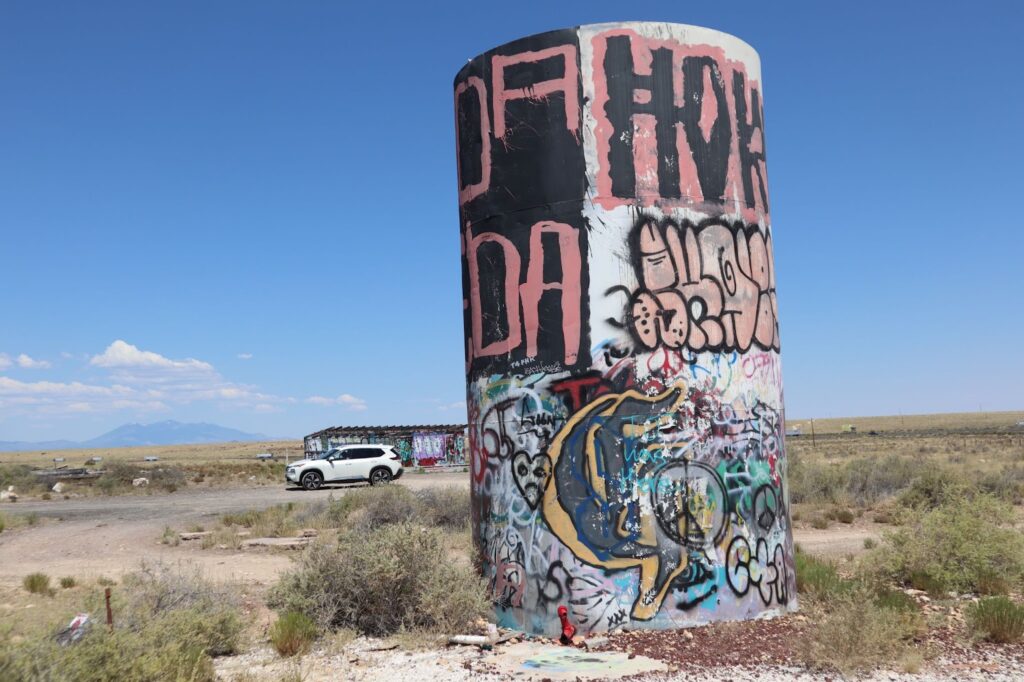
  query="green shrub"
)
[
  {"x": 67, "y": 582},
  {"x": 397, "y": 577},
  {"x": 819, "y": 523},
  {"x": 37, "y": 583},
  {"x": 816, "y": 481},
  {"x": 870, "y": 543},
  {"x": 845, "y": 516},
  {"x": 857, "y": 635},
  {"x": 872, "y": 479},
  {"x": 888, "y": 598},
  {"x": 933, "y": 489},
  {"x": 447, "y": 507},
  {"x": 958, "y": 546},
  {"x": 167, "y": 625},
  {"x": 188, "y": 602},
  {"x": 292, "y": 633},
  {"x": 368, "y": 508},
  {"x": 3, "y": 523},
  {"x": 818, "y": 577},
  {"x": 997, "y": 619}
]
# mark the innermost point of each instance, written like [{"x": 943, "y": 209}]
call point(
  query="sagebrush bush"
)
[
  {"x": 857, "y": 635},
  {"x": 368, "y": 508},
  {"x": 292, "y": 633},
  {"x": 397, "y": 577},
  {"x": 997, "y": 619},
  {"x": 67, "y": 582},
  {"x": 37, "y": 583},
  {"x": 958, "y": 546},
  {"x": 934, "y": 488},
  {"x": 447, "y": 507}
]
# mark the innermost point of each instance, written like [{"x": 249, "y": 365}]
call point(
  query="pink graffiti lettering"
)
[{"x": 567, "y": 84}]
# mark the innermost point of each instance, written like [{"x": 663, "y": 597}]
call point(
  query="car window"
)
[{"x": 365, "y": 453}]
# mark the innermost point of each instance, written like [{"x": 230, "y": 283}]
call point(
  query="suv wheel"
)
[
  {"x": 379, "y": 475},
  {"x": 311, "y": 480}
]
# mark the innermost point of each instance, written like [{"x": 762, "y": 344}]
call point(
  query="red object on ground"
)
[{"x": 568, "y": 629}]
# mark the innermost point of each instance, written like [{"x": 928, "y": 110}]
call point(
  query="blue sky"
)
[{"x": 246, "y": 212}]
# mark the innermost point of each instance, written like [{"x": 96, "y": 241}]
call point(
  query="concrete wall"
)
[{"x": 622, "y": 347}]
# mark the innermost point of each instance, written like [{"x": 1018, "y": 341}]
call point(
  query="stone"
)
[
  {"x": 58, "y": 487},
  {"x": 140, "y": 482}
]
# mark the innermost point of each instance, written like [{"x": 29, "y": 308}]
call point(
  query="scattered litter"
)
[{"x": 75, "y": 630}]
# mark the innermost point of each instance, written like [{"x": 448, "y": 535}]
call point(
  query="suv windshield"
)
[{"x": 333, "y": 452}]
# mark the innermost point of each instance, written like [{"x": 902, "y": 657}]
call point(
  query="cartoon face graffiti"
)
[{"x": 625, "y": 495}]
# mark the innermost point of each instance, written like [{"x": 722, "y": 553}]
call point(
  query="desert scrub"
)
[
  {"x": 37, "y": 583},
  {"x": 855, "y": 634},
  {"x": 957, "y": 546},
  {"x": 397, "y": 577},
  {"x": 292, "y": 633},
  {"x": 997, "y": 619},
  {"x": 818, "y": 577},
  {"x": 447, "y": 507},
  {"x": 167, "y": 626},
  {"x": 366, "y": 509},
  {"x": 67, "y": 582}
]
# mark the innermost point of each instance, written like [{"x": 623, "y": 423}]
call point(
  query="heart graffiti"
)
[{"x": 531, "y": 475}]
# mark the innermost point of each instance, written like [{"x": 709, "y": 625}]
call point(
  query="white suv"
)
[{"x": 346, "y": 464}]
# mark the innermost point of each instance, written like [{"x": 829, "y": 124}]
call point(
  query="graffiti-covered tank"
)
[{"x": 624, "y": 385}]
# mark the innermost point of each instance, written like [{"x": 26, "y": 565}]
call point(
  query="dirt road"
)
[{"x": 111, "y": 535}]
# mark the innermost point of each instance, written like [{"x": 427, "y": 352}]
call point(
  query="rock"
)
[
  {"x": 140, "y": 482},
  {"x": 595, "y": 642},
  {"x": 687, "y": 634},
  {"x": 8, "y": 495},
  {"x": 58, "y": 487}
]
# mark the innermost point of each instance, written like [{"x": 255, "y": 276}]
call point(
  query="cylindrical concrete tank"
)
[{"x": 624, "y": 386}]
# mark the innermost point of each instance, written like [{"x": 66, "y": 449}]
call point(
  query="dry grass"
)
[
  {"x": 168, "y": 454},
  {"x": 954, "y": 421}
]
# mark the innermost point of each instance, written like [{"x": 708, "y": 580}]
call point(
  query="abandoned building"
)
[{"x": 418, "y": 445}]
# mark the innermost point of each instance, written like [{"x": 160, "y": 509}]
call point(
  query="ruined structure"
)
[{"x": 622, "y": 344}]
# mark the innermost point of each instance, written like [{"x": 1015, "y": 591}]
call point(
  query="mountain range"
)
[{"x": 133, "y": 435}]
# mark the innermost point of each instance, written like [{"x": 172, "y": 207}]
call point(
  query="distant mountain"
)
[{"x": 135, "y": 435}]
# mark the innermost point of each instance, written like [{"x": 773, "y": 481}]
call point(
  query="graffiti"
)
[
  {"x": 419, "y": 448},
  {"x": 509, "y": 583},
  {"x": 704, "y": 288},
  {"x": 624, "y": 386},
  {"x": 763, "y": 569},
  {"x": 499, "y": 288},
  {"x": 676, "y": 122},
  {"x": 531, "y": 475}
]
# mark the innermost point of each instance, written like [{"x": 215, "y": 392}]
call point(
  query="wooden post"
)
[
  {"x": 110, "y": 614},
  {"x": 812, "y": 433}
]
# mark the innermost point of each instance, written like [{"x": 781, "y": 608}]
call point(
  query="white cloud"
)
[
  {"x": 5, "y": 361},
  {"x": 132, "y": 379},
  {"x": 345, "y": 400},
  {"x": 245, "y": 356},
  {"x": 457, "y": 405},
  {"x": 26, "y": 362},
  {"x": 123, "y": 355}
]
